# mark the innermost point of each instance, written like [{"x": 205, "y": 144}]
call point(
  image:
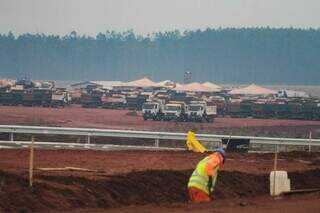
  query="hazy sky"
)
[{"x": 146, "y": 16}]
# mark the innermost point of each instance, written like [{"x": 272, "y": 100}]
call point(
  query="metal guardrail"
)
[{"x": 157, "y": 136}]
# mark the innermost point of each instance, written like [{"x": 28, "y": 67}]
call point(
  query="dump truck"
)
[
  {"x": 199, "y": 111},
  {"x": 36, "y": 97},
  {"x": 6, "y": 98},
  {"x": 60, "y": 98},
  {"x": 239, "y": 109},
  {"x": 176, "y": 110},
  {"x": 91, "y": 99},
  {"x": 135, "y": 102},
  {"x": 153, "y": 110},
  {"x": 316, "y": 112},
  {"x": 114, "y": 102},
  {"x": 263, "y": 109}
]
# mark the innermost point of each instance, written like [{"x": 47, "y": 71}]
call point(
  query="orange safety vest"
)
[{"x": 208, "y": 166}]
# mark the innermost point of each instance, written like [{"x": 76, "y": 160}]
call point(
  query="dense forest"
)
[{"x": 259, "y": 55}]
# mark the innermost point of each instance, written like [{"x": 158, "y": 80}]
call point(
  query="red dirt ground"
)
[
  {"x": 76, "y": 116},
  {"x": 144, "y": 181}
]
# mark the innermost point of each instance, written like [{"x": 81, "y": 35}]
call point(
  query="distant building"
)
[
  {"x": 292, "y": 94},
  {"x": 187, "y": 77}
]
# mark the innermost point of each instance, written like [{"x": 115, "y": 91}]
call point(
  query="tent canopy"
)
[
  {"x": 212, "y": 86},
  {"x": 143, "y": 82},
  {"x": 252, "y": 90},
  {"x": 7, "y": 82},
  {"x": 109, "y": 84},
  {"x": 166, "y": 83},
  {"x": 194, "y": 87}
]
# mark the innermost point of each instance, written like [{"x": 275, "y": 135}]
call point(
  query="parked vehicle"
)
[
  {"x": 153, "y": 110},
  {"x": 91, "y": 99},
  {"x": 114, "y": 102},
  {"x": 60, "y": 98},
  {"x": 199, "y": 111},
  {"x": 135, "y": 102},
  {"x": 176, "y": 110},
  {"x": 36, "y": 97}
]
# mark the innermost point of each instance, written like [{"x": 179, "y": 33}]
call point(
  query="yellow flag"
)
[{"x": 193, "y": 144}]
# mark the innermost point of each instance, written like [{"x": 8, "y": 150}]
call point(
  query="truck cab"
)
[
  {"x": 60, "y": 98},
  {"x": 175, "y": 111},
  {"x": 196, "y": 112},
  {"x": 152, "y": 110},
  {"x": 199, "y": 111}
]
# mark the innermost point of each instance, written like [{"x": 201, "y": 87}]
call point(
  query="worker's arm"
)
[{"x": 211, "y": 166}]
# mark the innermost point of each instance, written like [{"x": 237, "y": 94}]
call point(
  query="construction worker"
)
[{"x": 203, "y": 179}]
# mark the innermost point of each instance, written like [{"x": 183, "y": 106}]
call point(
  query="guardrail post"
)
[
  {"x": 31, "y": 159},
  {"x": 156, "y": 142},
  {"x": 11, "y": 136},
  {"x": 276, "y": 148},
  {"x": 88, "y": 139},
  {"x": 310, "y": 140}
]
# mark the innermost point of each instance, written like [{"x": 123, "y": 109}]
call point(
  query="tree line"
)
[{"x": 230, "y": 55}]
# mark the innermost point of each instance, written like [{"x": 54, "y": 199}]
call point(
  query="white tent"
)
[
  {"x": 252, "y": 90},
  {"x": 7, "y": 82},
  {"x": 192, "y": 87},
  {"x": 143, "y": 82},
  {"x": 109, "y": 84},
  {"x": 166, "y": 83},
  {"x": 211, "y": 86}
]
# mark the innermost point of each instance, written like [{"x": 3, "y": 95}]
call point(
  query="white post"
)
[
  {"x": 11, "y": 136},
  {"x": 31, "y": 162},
  {"x": 88, "y": 139},
  {"x": 310, "y": 140},
  {"x": 156, "y": 142},
  {"x": 275, "y": 165}
]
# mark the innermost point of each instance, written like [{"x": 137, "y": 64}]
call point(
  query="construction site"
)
[
  {"x": 159, "y": 106},
  {"x": 147, "y": 179},
  {"x": 144, "y": 181},
  {"x": 167, "y": 100}
]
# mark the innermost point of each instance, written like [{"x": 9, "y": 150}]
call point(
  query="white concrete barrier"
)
[{"x": 279, "y": 182}]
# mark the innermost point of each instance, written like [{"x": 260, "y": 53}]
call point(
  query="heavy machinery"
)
[
  {"x": 153, "y": 110},
  {"x": 262, "y": 109},
  {"x": 199, "y": 111},
  {"x": 176, "y": 110},
  {"x": 12, "y": 96},
  {"x": 36, "y": 97},
  {"x": 114, "y": 102},
  {"x": 239, "y": 109},
  {"x": 60, "y": 98},
  {"x": 135, "y": 102},
  {"x": 91, "y": 98}
]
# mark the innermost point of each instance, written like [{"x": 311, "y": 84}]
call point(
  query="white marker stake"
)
[
  {"x": 310, "y": 140},
  {"x": 275, "y": 169},
  {"x": 31, "y": 162}
]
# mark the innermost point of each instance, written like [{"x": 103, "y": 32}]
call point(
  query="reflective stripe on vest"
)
[{"x": 199, "y": 178}]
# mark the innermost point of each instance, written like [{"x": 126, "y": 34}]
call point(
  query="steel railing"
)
[{"x": 157, "y": 136}]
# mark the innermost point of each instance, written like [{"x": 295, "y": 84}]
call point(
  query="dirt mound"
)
[
  {"x": 237, "y": 184},
  {"x": 306, "y": 179},
  {"x": 134, "y": 188}
]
